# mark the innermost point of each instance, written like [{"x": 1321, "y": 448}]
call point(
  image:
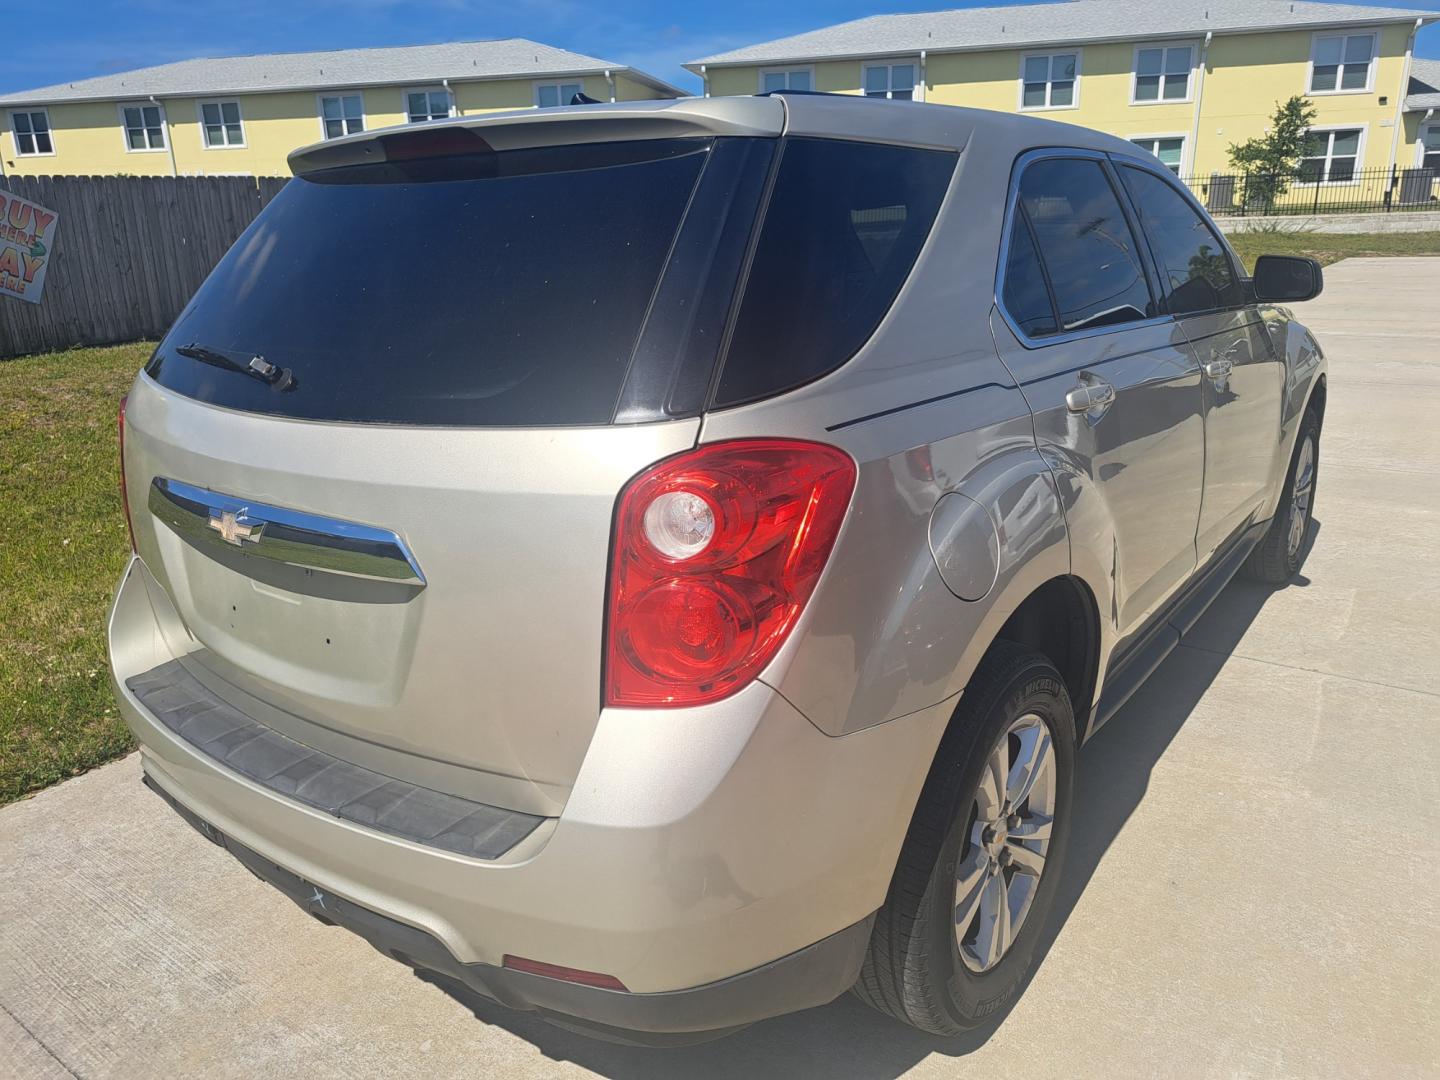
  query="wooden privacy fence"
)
[{"x": 129, "y": 253}]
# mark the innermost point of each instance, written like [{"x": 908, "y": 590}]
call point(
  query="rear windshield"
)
[
  {"x": 505, "y": 289},
  {"x": 558, "y": 286}
]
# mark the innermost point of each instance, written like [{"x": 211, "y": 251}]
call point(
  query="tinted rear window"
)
[
  {"x": 1086, "y": 243},
  {"x": 1027, "y": 297},
  {"x": 844, "y": 225},
  {"x": 502, "y": 289}
]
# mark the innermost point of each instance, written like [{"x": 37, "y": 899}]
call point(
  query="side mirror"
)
[{"x": 1289, "y": 278}]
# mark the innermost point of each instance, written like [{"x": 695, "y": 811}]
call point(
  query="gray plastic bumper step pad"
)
[{"x": 275, "y": 761}]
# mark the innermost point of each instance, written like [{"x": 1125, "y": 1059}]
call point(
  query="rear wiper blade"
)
[{"x": 258, "y": 367}]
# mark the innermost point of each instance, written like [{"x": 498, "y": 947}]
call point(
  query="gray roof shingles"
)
[
  {"x": 414, "y": 64},
  {"x": 1424, "y": 91},
  {"x": 1074, "y": 21}
]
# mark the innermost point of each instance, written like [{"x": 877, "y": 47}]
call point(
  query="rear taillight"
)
[
  {"x": 716, "y": 552},
  {"x": 124, "y": 494}
]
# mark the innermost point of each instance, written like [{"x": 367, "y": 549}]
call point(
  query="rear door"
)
[
  {"x": 1113, "y": 384},
  {"x": 443, "y": 346},
  {"x": 1243, "y": 377}
]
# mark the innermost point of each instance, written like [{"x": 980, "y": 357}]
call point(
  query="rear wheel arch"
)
[
  {"x": 1058, "y": 619},
  {"x": 915, "y": 969},
  {"x": 1061, "y": 621}
]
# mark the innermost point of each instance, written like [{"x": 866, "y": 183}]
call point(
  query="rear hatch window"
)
[
  {"x": 843, "y": 228},
  {"x": 494, "y": 289},
  {"x": 560, "y": 286}
]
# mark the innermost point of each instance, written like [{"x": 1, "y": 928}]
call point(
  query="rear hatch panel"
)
[
  {"x": 430, "y": 353},
  {"x": 492, "y": 666}
]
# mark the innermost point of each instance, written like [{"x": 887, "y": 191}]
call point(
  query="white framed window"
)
[
  {"x": 894, "y": 81},
  {"x": 1162, "y": 73},
  {"x": 1050, "y": 80},
  {"x": 1428, "y": 150},
  {"x": 426, "y": 103},
  {"x": 144, "y": 127},
  {"x": 30, "y": 128},
  {"x": 550, "y": 94},
  {"x": 787, "y": 78},
  {"x": 1333, "y": 155},
  {"x": 1170, "y": 149},
  {"x": 341, "y": 114},
  {"x": 222, "y": 125},
  {"x": 1343, "y": 63}
]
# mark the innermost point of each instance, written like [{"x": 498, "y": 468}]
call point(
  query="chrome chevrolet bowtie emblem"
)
[{"x": 231, "y": 529}]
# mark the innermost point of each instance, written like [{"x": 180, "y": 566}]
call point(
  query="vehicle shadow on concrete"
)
[{"x": 846, "y": 1038}]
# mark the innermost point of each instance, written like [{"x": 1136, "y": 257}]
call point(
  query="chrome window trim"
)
[
  {"x": 213, "y": 522},
  {"x": 1012, "y": 199}
]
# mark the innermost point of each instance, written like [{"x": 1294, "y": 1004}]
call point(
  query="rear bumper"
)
[
  {"x": 697, "y": 846},
  {"x": 811, "y": 976}
]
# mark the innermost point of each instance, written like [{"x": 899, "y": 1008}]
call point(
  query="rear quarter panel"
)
[{"x": 925, "y": 408}]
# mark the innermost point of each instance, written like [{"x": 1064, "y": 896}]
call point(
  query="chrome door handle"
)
[
  {"x": 1218, "y": 369},
  {"x": 1091, "y": 395}
]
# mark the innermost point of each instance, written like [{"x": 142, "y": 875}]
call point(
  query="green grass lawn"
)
[
  {"x": 1332, "y": 247},
  {"x": 63, "y": 542},
  {"x": 62, "y": 545}
]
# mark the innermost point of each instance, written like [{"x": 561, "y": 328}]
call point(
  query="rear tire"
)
[
  {"x": 1280, "y": 554},
  {"x": 932, "y": 963}
]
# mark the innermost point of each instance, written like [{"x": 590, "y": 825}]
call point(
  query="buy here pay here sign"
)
[{"x": 27, "y": 239}]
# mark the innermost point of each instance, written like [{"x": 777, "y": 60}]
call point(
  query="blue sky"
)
[{"x": 74, "y": 39}]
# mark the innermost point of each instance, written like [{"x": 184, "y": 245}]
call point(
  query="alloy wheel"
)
[
  {"x": 1301, "y": 495},
  {"x": 1004, "y": 852}
]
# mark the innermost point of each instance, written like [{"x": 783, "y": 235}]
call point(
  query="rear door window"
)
[
  {"x": 1195, "y": 268},
  {"x": 1026, "y": 295},
  {"x": 1088, "y": 249},
  {"x": 486, "y": 289},
  {"x": 844, "y": 225}
]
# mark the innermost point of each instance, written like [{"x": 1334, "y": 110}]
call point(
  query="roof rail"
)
[{"x": 804, "y": 93}]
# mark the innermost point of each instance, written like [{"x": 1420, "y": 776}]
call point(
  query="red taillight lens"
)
[
  {"x": 716, "y": 552},
  {"x": 124, "y": 494},
  {"x": 564, "y": 974}
]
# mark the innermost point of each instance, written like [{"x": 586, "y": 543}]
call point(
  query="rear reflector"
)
[
  {"x": 716, "y": 552},
  {"x": 564, "y": 974}
]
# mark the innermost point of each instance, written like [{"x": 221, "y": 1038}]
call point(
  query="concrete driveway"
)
[{"x": 1253, "y": 890}]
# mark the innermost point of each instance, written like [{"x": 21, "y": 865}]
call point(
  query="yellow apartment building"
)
[
  {"x": 1182, "y": 78},
  {"x": 243, "y": 115},
  {"x": 1422, "y": 116}
]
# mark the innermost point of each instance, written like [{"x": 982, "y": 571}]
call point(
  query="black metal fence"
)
[{"x": 1312, "y": 190}]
